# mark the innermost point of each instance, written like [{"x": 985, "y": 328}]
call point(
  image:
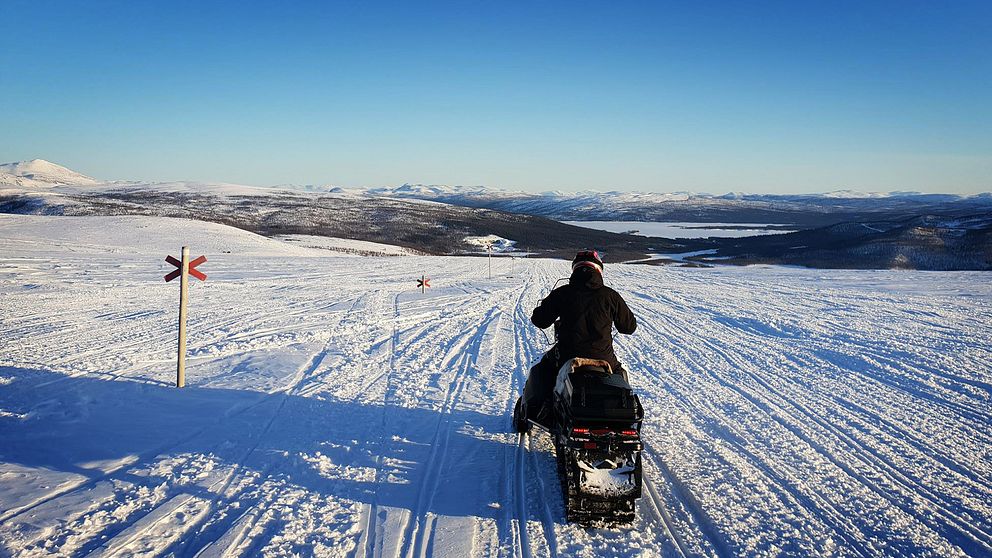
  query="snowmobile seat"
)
[
  {"x": 591, "y": 391},
  {"x": 602, "y": 397},
  {"x": 616, "y": 381},
  {"x": 593, "y": 369}
]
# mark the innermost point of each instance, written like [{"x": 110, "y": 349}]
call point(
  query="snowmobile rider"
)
[{"x": 586, "y": 311}]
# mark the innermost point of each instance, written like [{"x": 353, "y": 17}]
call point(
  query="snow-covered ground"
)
[
  {"x": 346, "y": 245},
  {"x": 333, "y": 409}
]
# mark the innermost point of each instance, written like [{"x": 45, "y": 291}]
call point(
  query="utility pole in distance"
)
[{"x": 489, "y": 248}]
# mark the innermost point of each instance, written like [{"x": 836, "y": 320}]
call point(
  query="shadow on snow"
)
[{"x": 86, "y": 426}]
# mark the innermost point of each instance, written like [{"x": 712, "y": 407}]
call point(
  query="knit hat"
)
[{"x": 588, "y": 258}]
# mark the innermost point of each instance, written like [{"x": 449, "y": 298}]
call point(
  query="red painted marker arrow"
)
[
  {"x": 192, "y": 271},
  {"x": 422, "y": 283},
  {"x": 192, "y": 268}
]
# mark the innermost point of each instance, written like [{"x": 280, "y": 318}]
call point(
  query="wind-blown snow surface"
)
[{"x": 332, "y": 409}]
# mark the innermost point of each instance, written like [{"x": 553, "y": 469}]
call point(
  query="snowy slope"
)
[
  {"x": 39, "y": 173},
  {"x": 30, "y": 235},
  {"x": 345, "y": 245},
  {"x": 334, "y": 410},
  {"x": 43, "y": 177}
]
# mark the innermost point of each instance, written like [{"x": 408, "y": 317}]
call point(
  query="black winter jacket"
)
[{"x": 588, "y": 311}]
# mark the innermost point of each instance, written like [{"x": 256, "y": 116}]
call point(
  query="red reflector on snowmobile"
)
[
  {"x": 589, "y": 445},
  {"x": 629, "y": 433},
  {"x": 580, "y": 430}
]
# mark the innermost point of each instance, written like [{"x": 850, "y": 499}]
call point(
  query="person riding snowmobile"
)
[{"x": 584, "y": 312}]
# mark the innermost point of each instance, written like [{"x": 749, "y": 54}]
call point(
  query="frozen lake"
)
[{"x": 680, "y": 230}]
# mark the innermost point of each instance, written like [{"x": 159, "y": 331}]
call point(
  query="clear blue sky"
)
[{"x": 791, "y": 96}]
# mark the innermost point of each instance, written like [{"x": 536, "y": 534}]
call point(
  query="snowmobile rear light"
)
[
  {"x": 629, "y": 433},
  {"x": 580, "y": 431}
]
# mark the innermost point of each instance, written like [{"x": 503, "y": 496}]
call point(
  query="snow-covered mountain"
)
[
  {"x": 920, "y": 231},
  {"x": 413, "y": 223},
  {"x": 39, "y": 173},
  {"x": 735, "y": 207}
]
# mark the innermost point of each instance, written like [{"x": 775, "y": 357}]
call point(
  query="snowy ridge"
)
[
  {"x": 436, "y": 190},
  {"x": 333, "y": 409},
  {"x": 582, "y": 205},
  {"x": 40, "y": 173},
  {"x": 424, "y": 226},
  {"x": 907, "y": 230},
  {"x": 685, "y": 206}
]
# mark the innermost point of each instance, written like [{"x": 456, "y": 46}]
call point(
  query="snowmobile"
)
[{"x": 596, "y": 427}]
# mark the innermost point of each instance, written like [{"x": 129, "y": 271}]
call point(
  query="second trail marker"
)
[{"x": 423, "y": 283}]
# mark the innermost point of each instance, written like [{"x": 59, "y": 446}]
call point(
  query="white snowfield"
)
[{"x": 334, "y": 410}]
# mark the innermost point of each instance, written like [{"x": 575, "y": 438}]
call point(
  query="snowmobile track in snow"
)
[
  {"x": 788, "y": 411},
  {"x": 658, "y": 508},
  {"x": 297, "y": 383},
  {"x": 419, "y": 530}
]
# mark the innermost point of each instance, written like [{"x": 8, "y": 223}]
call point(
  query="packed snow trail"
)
[{"x": 332, "y": 409}]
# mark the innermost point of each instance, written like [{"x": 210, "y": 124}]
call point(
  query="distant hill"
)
[
  {"x": 424, "y": 226},
  {"x": 39, "y": 173},
  {"x": 921, "y": 242},
  {"x": 841, "y": 229},
  {"x": 808, "y": 210}
]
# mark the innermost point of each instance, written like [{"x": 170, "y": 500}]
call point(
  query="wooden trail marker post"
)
[
  {"x": 185, "y": 268},
  {"x": 424, "y": 283}
]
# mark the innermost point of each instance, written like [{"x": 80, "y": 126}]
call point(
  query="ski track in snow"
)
[{"x": 332, "y": 409}]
